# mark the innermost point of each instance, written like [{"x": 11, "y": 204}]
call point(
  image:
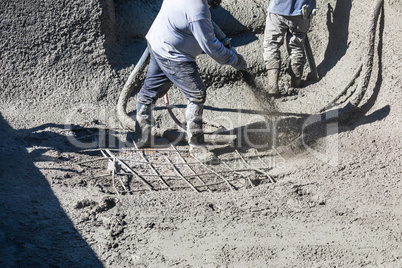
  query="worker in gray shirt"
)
[
  {"x": 290, "y": 18},
  {"x": 180, "y": 32}
]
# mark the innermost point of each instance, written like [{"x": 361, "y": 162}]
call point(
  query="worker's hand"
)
[{"x": 241, "y": 63}]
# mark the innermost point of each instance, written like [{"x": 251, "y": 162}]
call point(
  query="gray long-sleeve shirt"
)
[{"x": 183, "y": 29}]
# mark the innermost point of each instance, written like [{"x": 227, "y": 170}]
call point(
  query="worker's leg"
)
[
  {"x": 195, "y": 133},
  {"x": 298, "y": 28},
  {"x": 144, "y": 125},
  {"x": 187, "y": 78},
  {"x": 194, "y": 123},
  {"x": 274, "y": 33},
  {"x": 156, "y": 84},
  {"x": 275, "y": 30}
]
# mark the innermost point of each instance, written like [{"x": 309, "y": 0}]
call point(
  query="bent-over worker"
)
[{"x": 180, "y": 32}]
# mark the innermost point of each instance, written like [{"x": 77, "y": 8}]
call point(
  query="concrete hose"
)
[
  {"x": 169, "y": 108},
  {"x": 367, "y": 64},
  {"x": 128, "y": 88},
  {"x": 332, "y": 103}
]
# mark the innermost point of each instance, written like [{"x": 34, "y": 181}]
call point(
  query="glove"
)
[{"x": 241, "y": 63}]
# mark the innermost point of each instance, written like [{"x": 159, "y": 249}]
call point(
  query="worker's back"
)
[{"x": 170, "y": 35}]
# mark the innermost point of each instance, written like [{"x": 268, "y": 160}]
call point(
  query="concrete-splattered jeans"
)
[
  {"x": 275, "y": 29},
  {"x": 160, "y": 76},
  {"x": 163, "y": 72}
]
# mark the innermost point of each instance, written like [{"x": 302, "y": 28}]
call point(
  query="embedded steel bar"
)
[
  {"x": 155, "y": 149},
  {"x": 250, "y": 156},
  {"x": 237, "y": 171},
  {"x": 180, "y": 187},
  {"x": 133, "y": 149},
  {"x": 103, "y": 175},
  {"x": 113, "y": 177},
  {"x": 190, "y": 168},
  {"x": 231, "y": 187},
  {"x": 184, "y": 187},
  {"x": 142, "y": 155},
  {"x": 256, "y": 169},
  {"x": 181, "y": 176},
  {"x": 156, "y": 172},
  {"x": 122, "y": 184},
  {"x": 267, "y": 166},
  {"x": 149, "y": 186},
  {"x": 111, "y": 160},
  {"x": 166, "y": 164},
  {"x": 234, "y": 171},
  {"x": 247, "y": 164},
  {"x": 114, "y": 171},
  {"x": 138, "y": 162},
  {"x": 93, "y": 160},
  {"x": 107, "y": 153}
]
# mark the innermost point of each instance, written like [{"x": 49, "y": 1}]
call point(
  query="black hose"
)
[{"x": 128, "y": 88}]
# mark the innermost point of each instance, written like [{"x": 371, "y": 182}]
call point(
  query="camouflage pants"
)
[{"x": 295, "y": 28}]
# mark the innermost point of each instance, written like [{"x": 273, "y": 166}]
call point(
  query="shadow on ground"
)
[
  {"x": 338, "y": 31},
  {"x": 35, "y": 231}
]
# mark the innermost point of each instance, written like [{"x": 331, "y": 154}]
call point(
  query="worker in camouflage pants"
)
[{"x": 286, "y": 19}]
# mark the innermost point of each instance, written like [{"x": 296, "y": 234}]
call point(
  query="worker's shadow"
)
[
  {"x": 338, "y": 32},
  {"x": 232, "y": 27},
  {"x": 35, "y": 231}
]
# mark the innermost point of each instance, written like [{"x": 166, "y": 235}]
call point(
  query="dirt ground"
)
[{"x": 336, "y": 199}]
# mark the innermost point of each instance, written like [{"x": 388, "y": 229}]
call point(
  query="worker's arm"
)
[{"x": 203, "y": 31}]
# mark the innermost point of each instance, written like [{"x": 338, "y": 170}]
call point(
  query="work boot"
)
[
  {"x": 195, "y": 134},
  {"x": 144, "y": 124},
  {"x": 273, "y": 77},
  {"x": 194, "y": 113},
  {"x": 296, "y": 75}
]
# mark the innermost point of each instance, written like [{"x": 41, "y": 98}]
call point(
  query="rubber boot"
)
[
  {"x": 273, "y": 77},
  {"x": 144, "y": 124},
  {"x": 296, "y": 75},
  {"x": 195, "y": 134}
]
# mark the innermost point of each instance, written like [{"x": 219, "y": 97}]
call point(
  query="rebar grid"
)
[{"x": 172, "y": 169}]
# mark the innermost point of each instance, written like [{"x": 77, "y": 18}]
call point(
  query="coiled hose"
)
[
  {"x": 365, "y": 68},
  {"x": 128, "y": 88}
]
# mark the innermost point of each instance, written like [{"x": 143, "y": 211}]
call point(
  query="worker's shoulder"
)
[
  {"x": 196, "y": 9},
  {"x": 195, "y": 6},
  {"x": 184, "y": 9}
]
